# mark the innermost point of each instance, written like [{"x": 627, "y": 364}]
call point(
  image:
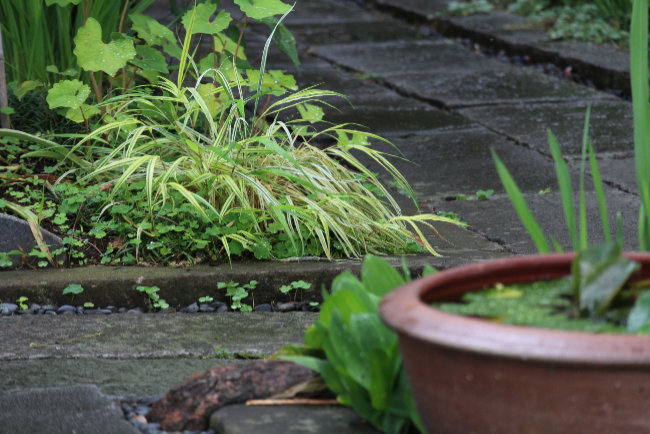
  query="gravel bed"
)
[
  {"x": 11, "y": 309},
  {"x": 136, "y": 411}
]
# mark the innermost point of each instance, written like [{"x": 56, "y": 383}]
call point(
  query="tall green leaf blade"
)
[
  {"x": 600, "y": 194},
  {"x": 640, "y": 94},
  {"x": 566, "y": 192},
  {"x": 583, "y": 206},
  {"x": 519, "y": 203}
]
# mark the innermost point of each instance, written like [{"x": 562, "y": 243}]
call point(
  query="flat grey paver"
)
[
  {"x": 497, "y": 220},
  {"x": 120, "y": 377},
  {"x": 443, "y": 164},
  {"x": 610, "y": 124},
  {"x": 65, "y": 410},
  {"x": 304, "y": 419},
  {"x": 172, "y": 335}
]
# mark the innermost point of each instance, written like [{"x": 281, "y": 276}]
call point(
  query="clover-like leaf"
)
[
  {"x": 151, "y": 31},
  {"x": 310, "y": 112},
  {"x": 67, "y": 93},
  {"x": 258, "y": 9},
  {"x": 94, "y": 55},
  {"x": 202, "y": 23}
]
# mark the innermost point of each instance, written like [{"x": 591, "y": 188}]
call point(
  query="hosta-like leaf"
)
[
  {"x": 68, "y": 93},
  {"x": 151, "y": 31},
  {"x": 202, "y": 23},
  {"x": 639, "y": 317},
  {"x": 94, "y": 55},
  {"x": 259, "y": 9},
  {"x": 378, "y": 276}
]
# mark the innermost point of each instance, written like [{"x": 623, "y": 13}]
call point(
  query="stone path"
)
[{"x": 442, "y": 105}]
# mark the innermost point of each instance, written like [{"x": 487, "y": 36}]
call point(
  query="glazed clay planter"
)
[{"x": 470, "y": 375}]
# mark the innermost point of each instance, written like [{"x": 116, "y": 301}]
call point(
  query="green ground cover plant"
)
[
  {"x": 599, "y": 21},
  {"x": 219, "y": 161}
]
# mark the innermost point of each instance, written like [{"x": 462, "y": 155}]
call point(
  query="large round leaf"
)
[
  {"x": 258, "y": 9},
  {"x": 94, "y": 55},
  {"x": 67, "y": 93},
  {"x": 202, "y": 23}
]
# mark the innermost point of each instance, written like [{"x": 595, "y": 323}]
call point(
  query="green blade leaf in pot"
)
[
  {"x": 639, "y": 317},
  {"x": 259, "y": 9},
  {"x": 599, "y": 273},
  {"x": 94, "y": 55}
]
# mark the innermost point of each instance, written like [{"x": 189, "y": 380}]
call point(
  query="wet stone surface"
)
[
  {"x": 610, "y": 124},
  {"x": 488, "y": 217},
  {"x": 438, "y": 158}
]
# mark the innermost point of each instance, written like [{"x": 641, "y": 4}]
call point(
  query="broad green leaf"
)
[
  {"x": 310, "y": 112},
  {"x": 640, "y": 314},
  {"x": 284, "y": 80},
  {"x": 26, "y": 86},
  {"x": 68, "y": 93},
  {"x": 94, "y": 55},
  {"x": 345, "y": 303},
  {"x": 224, "y": 43},
  {"x": 74, "y": 114},
  {"x": 378, "y": 276},
  {"x": 428, "y": 270},
  {"x": 259, "y": 9},
  {"x": 210, "y": 95},
  {"x": 202, "y": 23},
  {"x": 70, "y": 72},
  {"x": 61, "y": 2},
  {"x": 151, "y": 31},
  {"x": 150, "y": 59},
  {"x": 599, "y": 272}
]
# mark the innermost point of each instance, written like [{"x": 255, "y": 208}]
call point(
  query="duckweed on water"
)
[{"x": 545, "y": 304}]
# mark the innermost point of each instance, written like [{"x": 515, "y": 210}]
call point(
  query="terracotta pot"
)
[{"x": 469, "y": 375}]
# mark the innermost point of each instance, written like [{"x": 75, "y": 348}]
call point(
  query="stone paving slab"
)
[
  {"x": 451, "y": 76},
  {"x": 617, "y": 170},
  {"x": 438, "y": 163},
  {"x": 65, "y": 410},
  {"x": 288, "y": 419},
  {"x": 167, "y": 335},
  {"x": 327, "y": 11},
  {"x": 414, "y": 9},
  {"x": 126, "y": 377},
  {"x": 610, "y": 124},
  {"x": 497, "y": 220}
]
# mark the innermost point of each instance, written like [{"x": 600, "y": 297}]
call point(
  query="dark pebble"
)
[
  {"x": 66, "y": 308},
  {"x": 8, "y": 308},
  {"x": 97, "y": 312},
  {"x": 193, "y": 308},
  {"x": 48, "y": 307},
  {"x": 122, "y": 310},
  {"x": 111, "y": 308},
  {"x": 265, "y": 307},
  {"x": 286, "y": 307},
  {"x": 218, "y": 305},
  {"x": 34, "y": 307},
  {"x": 135, "y": 310},
  {"x": 50, "y": 312},
  {"x": 306, "y": 307},
  {"x": 80, "y": 310},
  {"x": 205, "y": 308},
  {"x": 151, "y": 398}
]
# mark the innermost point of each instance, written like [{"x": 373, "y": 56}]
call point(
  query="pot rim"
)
[{"x": 407, "y": 311}]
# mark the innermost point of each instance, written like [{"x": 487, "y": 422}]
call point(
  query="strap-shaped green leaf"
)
[{"x": 94, "y": 55}]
